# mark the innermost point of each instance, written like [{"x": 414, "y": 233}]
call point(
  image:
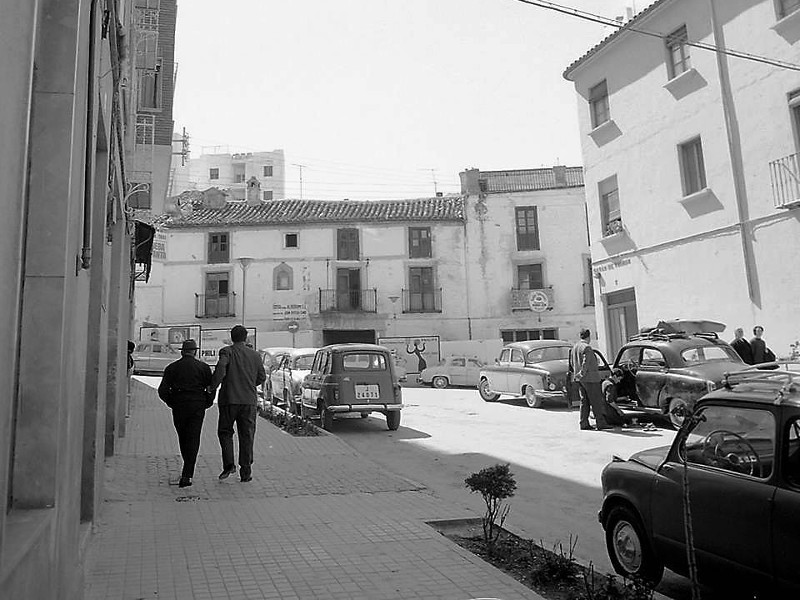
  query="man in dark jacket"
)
[
  {"x": 186, "y": 389},
  {"x": 240, "y": 371},
  {"x": 742, "y": 346},
  {"x": 583, "y": 363}
]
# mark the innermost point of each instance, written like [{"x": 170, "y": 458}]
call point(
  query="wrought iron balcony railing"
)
[
  {"x": 207, "y": 306},
  {"x": 523, "y": 299},
  {"x": 428, "y": 301},
  {"x": 348, "y": 300},
  {"x": 784, "y": 174}
]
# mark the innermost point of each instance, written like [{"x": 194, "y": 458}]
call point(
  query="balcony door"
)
[
  {"x": 420, "y": 282},
  {"x": 348, "y": 289},
  {"x": 217, "y": 300}
]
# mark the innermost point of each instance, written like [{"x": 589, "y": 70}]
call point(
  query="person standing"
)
[
  {"x": 742, "y": 346},
  {"x": 185, "y": 388},
  {"x": 583, "y": 363},
  {"x": 239, "y": 371},
  {"x": 761, "y": 354}
]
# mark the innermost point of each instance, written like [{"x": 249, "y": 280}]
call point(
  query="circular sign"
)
[
  {"x": 538, "y": 301},
  {"x": 292, "y": 326}
]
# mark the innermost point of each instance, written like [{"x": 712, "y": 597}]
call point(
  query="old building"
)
[
  {"x": 690, "y": 157},
  {"x": 68, "y": 116}
]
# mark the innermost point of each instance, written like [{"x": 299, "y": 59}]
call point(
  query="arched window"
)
[{"x": 283, "y": 277}]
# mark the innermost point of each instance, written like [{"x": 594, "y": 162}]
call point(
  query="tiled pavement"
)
[{"x": 317, "y": 521}]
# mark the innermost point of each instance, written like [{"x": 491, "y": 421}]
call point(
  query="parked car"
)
[
  {"x": 352, "y": 378},
  {"x": 739, "y": 451},
  {"x": 534, "y": 369},
  {"x": 286, "y": 380},
  {"x": 453, "y": 370},
  {"x": 673, "y": 365},
  {"x": 271, "y": 357},
  {"x": 153, "y": 357}
]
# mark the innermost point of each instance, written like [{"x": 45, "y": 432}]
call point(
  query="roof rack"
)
[
  {"x": 657, "y": 333},
  {"x": 782, "y": 381}
]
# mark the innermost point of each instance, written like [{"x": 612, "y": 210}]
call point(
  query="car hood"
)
[{"x": 651, "y": 458}]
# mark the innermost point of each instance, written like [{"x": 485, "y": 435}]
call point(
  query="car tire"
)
[
  {"x": 487, "y": 394},
  {"x": 439, "y": 382},
  {"x": 393, "y": 420},
  {"x": 629, "y": 548},
  {"x": 325, "y": 417},
  {"x": 675, "y": 420},
  {"x": 531, "y": 398}
]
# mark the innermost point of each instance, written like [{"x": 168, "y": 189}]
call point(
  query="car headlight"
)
[{"x": 552, "y": 385}]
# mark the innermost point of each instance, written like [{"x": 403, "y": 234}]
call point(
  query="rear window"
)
[
  {"x": 538, "y": 355},
  {"x": 364, "y": 361},
  {"x": 304, "y": 362},
  {"x": 703, "y": 354}
]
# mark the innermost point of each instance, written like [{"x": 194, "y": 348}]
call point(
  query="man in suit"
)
[
  {"x": 742, "y": 346},
  {"x": 583, "y": 364}
]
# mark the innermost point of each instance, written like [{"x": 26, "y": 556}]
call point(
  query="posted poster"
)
[
  {"x": 173, "y": 335},
  {"x": 415, "y": 353},
  {"x": 214, "y": 339}
]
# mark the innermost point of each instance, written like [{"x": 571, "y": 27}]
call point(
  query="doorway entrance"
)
[
  {"x": 348, "y": 289},
  {"x": 621, "y": 319}
]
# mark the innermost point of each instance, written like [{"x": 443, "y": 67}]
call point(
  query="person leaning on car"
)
[
  {"x": 583, "y": 364},
  {"x": 185, "y": 388}
]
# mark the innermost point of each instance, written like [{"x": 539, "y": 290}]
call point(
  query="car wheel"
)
[
  {"x": 325, "y": 417},
  {"x": 439, "y": 382},
  {"x": 676, "y": 420},
  {"x": 487, "y": 394},
  {"x": 628, "y": 546},
  {"x": 393, "y": 420},
  {"x": 531, "y": 398}
]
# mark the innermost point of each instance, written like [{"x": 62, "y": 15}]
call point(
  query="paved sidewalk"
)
[{"x": 317, "y": 521}]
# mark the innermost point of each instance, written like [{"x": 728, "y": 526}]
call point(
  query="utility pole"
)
[
  {"x": 301, "y": 178},
  {"x": 435, "y": 184}
]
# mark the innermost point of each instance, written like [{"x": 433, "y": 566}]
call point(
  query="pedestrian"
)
[
  {"x": 742, "y": 346},
  {"x": 761, "y": 354},
  {"x": 239, "y": 371},
  {"x": 186, "y": 389},
  {"x": 583, "y": 363},
  {"x": 131, "y": 363}
]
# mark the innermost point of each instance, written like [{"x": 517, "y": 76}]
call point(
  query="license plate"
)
[{"x": 367, "y": 392}]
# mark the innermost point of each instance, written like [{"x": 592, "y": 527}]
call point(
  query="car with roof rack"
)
[
  {"x": 672, "y": 365},
  {"x": 738, "y": 453}
]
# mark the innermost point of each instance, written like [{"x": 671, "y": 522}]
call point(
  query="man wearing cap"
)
[{"x": 186, "y": 389}]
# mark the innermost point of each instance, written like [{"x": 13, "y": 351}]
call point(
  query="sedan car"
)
[
  {"x": 453, "y": 370},
  {"x": 286, "y": 380},
  {"x": 153, "y": 357},
  {"x": 738, "y": 453},
  {"x": 271, "y": 357}
]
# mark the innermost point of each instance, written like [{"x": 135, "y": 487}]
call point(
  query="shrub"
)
[
  {"x": 554, "y": 565},
  {"x": 494, "y": 484},
  {"x": 294, "y": 424},
  {"x": 607, "y": 588}
]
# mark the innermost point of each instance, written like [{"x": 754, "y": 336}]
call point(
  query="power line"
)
[{"x": 587, "y": 16}]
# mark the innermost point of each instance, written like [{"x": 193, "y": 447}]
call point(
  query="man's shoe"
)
[
  {"x": 185, "y": 482},
  {"x": 247, "y": 478},
  {"x": 226, "y": 472},
  {"x": 587, "y": 428}
]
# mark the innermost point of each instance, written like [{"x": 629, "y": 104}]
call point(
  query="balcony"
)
[
  {"x": 348, "y": 300},
  {"x": 785, "y": 176},
  {"x": 588, "y": 294},
  {"x": 429, "y": 301},
  {"x": 212, "y": 307},
  {"x": 524, "y": 299}
]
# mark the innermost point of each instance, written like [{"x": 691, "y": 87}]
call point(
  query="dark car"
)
[
  {"x": 740, "y": 450},
  {"x": 667, "y": 367},
  {"x": 352, "y": 378}
]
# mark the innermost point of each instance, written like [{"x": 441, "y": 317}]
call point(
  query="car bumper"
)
[
  {"x": 344, "y": 408},
  {"x": 550, "y": 395}
]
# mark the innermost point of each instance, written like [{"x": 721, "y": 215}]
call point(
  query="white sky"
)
[{"x": 370, "y": 95}]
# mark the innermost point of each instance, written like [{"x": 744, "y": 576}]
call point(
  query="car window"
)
[
  {"x": 653, "y": 358},
  {"x": 458, "y": 362},
  {"x": 505, "y": 355},
  {"x": 629, "y": 357},
  {"x": 304, "y": 361},
  {"x": 156, "y": 349},
  {"x": 363, "y": 361},
  {"x": 516, "y": 356},
  {"x": 551, "y": 353},
  {"x": 143, "y": 348},
  {"x": 474, "y": 362},
  {"x": 702, "y": 354},
  {"x": 791, "y": 470},
  {"x": 740, "y": 440}
]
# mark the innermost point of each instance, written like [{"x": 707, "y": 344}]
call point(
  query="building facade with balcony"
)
[{"x": 690, "y": 167}]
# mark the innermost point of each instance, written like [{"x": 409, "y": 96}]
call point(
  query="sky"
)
[{"x": 383, "y": 99}]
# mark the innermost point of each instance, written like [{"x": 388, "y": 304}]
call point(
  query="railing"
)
[
  {"x": 588, "y": 294},
  {"x": 613, "y": 226},
  {"x": 348, "y": 300},
  {"x": 428, "y": 301},
  {"x": 785, "y": 176},
  {"x": 521, "y": 299},
  {"x": 210, "y": 307}
]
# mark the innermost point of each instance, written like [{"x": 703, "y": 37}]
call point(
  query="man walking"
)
[
  {"x": 742, "y": 346},
  {"x": 240, "y": 371},
  {"x": 185, "y": 389},
  {"x": 583, "y": 364}
]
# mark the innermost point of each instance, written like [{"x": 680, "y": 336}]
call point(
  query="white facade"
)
[{"x": 718, "y": 241}]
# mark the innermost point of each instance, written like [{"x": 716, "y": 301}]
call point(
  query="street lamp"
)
[
  {"x": 244, "y": 262},
  {"x": 394, "y": 300}
]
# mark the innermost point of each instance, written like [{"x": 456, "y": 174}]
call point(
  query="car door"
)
[
  {"x": 498, "y": 373},
  {"x": 731, "y": 507},
  {"x": 313, "y": 381},
  {"x": 142, "y": 360},
  {"x": 786, "y": 514},
  {"x": 651, "y": 376},
  {"x": 516, "y": 370},
  {"x": 473, "y": 371},
  {"x": 457, "y": 370}
]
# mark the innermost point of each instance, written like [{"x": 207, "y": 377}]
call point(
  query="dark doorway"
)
[
  {"x": 348, "y": 289},
  {"x": 344, "y": 336}
]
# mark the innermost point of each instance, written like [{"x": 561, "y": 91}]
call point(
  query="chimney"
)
[
  {"x": 560, "y": 173},
  {"x": 214, "y": 198},
  {"x": 470, "y": 184},
  {"x": 253, "y": 191}
]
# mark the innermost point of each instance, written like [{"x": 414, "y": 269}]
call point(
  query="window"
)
[
  {"x": 419, "y": 242},
  {"x": 527, "y": 228},
  {"x": 678, "y": 52},
  {"x": 267, "y": 170},
  {"x": 652, "y": 358},
  {"x": 150, "y": 87},
  {"x": 458, "y": 362},
  {"x": 787, "y": 7},
  {"x": 290, "y": 240},
  {"x": 218, "y": 301},
  {"x": 523, "y": 335},
  {"x": 693, "y": 172},
  {"x": 422, "y": 295},
  {"x": 530, "y": 277},
  {"x": 598, "y": 104},
  {"x": 630, "y": 357},
  {"x": 283, "y": 277},
  {"x": 517, "y": 356},
  {"x": 218, "y": 248},
  {"x": 267, "y": 194},
  {"x": 347, "y": 244},
  {"x": 363, "y": 362},
  {"x": 213, "y": 173},
  {"x": 505, "y": 355},
  {"x": 238, "y": 178},
  {"x": 610, "y": 215},
  {"x": 791, "y": 461}
]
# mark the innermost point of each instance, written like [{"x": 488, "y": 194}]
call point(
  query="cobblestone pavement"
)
[{"x": 318, "y": 520}]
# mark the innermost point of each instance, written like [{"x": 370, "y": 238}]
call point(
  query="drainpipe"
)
[
  {"x": 466, "y": 273},
  {"x": 85, "y": 260},
  {"x": 736, "y": 160}
]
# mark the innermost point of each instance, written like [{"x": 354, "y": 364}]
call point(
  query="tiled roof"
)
[
  {"x": 607, "y": 40},
  {"x": 526, "y": 180},
  {"x": 282, "y": 212}
]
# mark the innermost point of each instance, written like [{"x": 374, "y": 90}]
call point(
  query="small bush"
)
[
  {"x": 608, "y": 588},
  {"x": 294, "y": 424},
  {"x": 494, "y": 484},
  {"x": 554, "y": 565}
]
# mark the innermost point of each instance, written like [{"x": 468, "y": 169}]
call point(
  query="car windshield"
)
[
  {"x": 704, "y": 354},
  {"x": 364, "y": 361},
  {"x": 538, "y": 355},
  {"x": 304, "y": 362}
]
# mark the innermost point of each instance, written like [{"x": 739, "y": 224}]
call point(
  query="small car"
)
[
  {"x": 352, "y": 378},
  {"x": 673, "y": 365},
  {"x": 453, "y": 370},
  {"x": 153, "y": 357},
  {"x": 739, "y": 452},
  {"x": 286, "y": 380},
  {"x": 535, "y": 369},
  {"x": 270, "y": 357}
]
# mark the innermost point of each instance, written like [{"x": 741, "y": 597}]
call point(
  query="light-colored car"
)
[
  {"x": 153, "y": 357},
  {"x": 271, "y": 357},
  {"x": 286, "y": 380},
  {"x": 453, "y": 370}
]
